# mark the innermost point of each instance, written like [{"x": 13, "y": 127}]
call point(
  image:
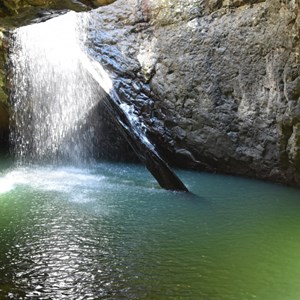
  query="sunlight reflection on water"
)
[
  {"x": 109, "y": 232},
  {"x": 69, "y": 180}
]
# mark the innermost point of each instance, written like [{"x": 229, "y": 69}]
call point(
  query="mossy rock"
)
[{"x": 16, "y": 13}]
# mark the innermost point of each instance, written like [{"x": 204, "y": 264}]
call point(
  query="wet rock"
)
[
  {"x": 17, "y": 13},
  {"x": 223, "y": 79},
  {"x": 4, "y": 110}
]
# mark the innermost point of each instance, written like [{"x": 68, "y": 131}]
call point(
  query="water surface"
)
[{"x": 110, "y": 232}]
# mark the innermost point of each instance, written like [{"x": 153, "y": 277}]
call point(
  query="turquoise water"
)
[{"x": 110, "y": 232}]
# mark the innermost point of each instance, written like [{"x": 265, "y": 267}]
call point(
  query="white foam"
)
[{"x": 75, "y": 183}]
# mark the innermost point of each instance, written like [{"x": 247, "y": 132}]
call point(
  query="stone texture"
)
[
  {"x": 16, "y": 13},
  {"x": 4, "y": 112},
  {"x": 234, "y": 72},
  {"x": 223, "y": 77}
]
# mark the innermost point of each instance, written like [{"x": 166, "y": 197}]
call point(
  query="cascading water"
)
[
  {"x": 56, "y": 87},
  {"x": 53, "y": 93}
]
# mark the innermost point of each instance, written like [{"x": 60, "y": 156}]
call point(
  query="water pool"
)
[{"x": 109, "y": 232}]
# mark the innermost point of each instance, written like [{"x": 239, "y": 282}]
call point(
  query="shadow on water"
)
[{"x": 137, "y": 176}]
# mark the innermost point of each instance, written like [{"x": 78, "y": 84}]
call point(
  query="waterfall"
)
[
  {"x": 56, "y": 87},
  {"x": 52, "y": 92}
]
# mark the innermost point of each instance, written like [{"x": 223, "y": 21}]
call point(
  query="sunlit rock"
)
[{"x": 223, "y": 79}]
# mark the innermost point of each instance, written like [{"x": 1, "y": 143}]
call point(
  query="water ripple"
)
[{"x": 126, "y": 241}]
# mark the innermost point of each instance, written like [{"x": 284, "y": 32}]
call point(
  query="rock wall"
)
[
  {"x": 224, "y": 78},
  {"x": 229, "y": 75},
  {"x": 4, "y": 111}
]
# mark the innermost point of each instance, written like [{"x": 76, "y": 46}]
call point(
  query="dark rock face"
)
[
  {"x": 4, "y": 111},
  {"x": 111, "y": 145},
  {"x": 216, "y": 82}
]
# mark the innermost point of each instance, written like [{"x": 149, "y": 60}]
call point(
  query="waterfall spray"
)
[
  {"x": 56, "y": 87},
  {"x": 53, "y": 93}
]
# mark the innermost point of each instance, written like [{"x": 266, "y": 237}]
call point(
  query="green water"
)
[{"x": 109, "y": 232}]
